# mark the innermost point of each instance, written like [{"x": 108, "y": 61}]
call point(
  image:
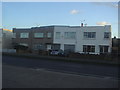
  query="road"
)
[
  {"x": 59, "y": 66},
  {"x": 19, "y": 72}
]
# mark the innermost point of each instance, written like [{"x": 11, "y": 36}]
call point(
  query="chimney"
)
[{"x": 81, "y": 24}]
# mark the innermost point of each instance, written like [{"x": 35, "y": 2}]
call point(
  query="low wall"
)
[{"x": 9, "y": 50}]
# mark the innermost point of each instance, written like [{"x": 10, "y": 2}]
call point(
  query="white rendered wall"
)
[
  {"x": 80, "y": 40},
  {"x": 63, "y": 41},
  {"x": 99, "y": 40}
]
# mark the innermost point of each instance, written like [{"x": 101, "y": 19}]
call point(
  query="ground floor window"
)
[
  {"x": 104, "y": 49},
  {"x": 38, "y": 47},
  {"x": 88, "y": 48}
]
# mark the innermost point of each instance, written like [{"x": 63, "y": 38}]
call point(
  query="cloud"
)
[
  {"x": 103, "y": 23},
  {"x": 74, "y": 11}
]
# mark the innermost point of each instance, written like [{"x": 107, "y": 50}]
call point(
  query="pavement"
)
[{"x": 21, "y": 77}]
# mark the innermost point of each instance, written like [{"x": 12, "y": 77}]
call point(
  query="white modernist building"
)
[{"x": 83, "y": 39}]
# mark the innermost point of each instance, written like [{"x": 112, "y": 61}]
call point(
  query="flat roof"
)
[{"x": 60, "y": 26}]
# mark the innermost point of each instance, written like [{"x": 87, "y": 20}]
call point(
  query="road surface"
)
[
  {"x": 38, "y": 73},
  {"x": 59, "y": 66}
]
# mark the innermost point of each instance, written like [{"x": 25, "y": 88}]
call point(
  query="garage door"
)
[{"x": 70, "y": 48}]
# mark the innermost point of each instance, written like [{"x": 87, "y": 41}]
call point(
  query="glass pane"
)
[
  {"x": 70, "y": 35},
  {"x": 49, "y": 35},
  {"x": 57, "y": 35},
  {"x": 24, "y": 35},
  {"x": 38, "y": 35},
  {"x": 106, "y": 49}
]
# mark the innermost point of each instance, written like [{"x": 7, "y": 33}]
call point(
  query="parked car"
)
[
  {"x": 57, "y": 52},
  {"x": 61, "y": 53},
  {"x": 54, "y": 52}
]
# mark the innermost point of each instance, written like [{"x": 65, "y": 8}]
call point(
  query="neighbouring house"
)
[
  {"x": 116, "y": 45},
  {"x": 6, "y": 40},
  {"x": 81, "y": 39}
]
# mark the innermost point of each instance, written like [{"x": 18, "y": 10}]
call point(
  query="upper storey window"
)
[
  {"x": 107, "y": 35},
  {"x": 70, "y": 35},
  {"x": 38, "y": 35},
  {"x": 57, "y": 35},
  {"x": 89, "y": 34},
  {"x": 49, "y": 35},
  {"x": 24, "y": 35}
]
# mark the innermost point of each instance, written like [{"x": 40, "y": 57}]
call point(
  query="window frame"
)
[
  {"x": 49, "y": 35},
  {"x": 36, "y": 35},
  {"x": 57, "y": 37},
  {"x": 69, "y": 35},
  {"x": 89, "y": 35},
  {"x": 27, "y": 35},
  {"x": 89, "y": 48},
  {"x": 37, "y": 46},
  {"x": 107, "y": 35}
]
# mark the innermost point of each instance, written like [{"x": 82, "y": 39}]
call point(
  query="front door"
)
[{"x": 48, "y": 47}]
